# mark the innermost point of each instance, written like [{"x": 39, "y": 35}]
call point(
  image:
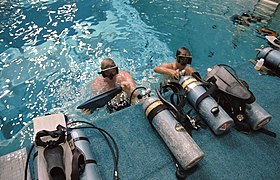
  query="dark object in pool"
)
[
  {"x": 7, "y": 129},
  {"x": 211, "y": 54},
  {"x": 100, "y": 100}
]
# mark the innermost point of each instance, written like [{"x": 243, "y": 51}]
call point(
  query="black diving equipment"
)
[
  {"x": 55, "y": 164},
  {"x": 62, "y": 153},
  {"x": 184, "y": 149},
  {"x": 53, "y": 151},
  {"x": 271, "y": 59},
  {"x": 206, "y": 106},
  {"x": 83, "y": 158},
  {"x": 234, "y": 96},
  {"x": 100, "y": 100},
  {"x": 109, "y": 72},
  {"x": 178, "y": 100},
  {"x": 184, "y": 60}
]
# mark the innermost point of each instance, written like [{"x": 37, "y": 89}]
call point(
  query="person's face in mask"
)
[
  {"x": 109, "y": 72},
  {"x": 183, "y": 60}
]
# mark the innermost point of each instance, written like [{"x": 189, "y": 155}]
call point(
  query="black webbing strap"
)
[
  {"x": 155, "y": 111},
  {"x": 78, "y": 164},
  {"x": 245, "y": 128},
  {"x": 80, "y": 139},
  {"x": 204, "y": 95},
  {"x": 242, "y": 127},
  {"x": 91, "y": 161},
  {"x": 267, "y": 132}
]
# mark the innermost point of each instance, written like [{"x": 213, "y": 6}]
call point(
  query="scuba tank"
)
[
  {"x": 60, "y": 155},
  {"x": 271, "y": 59},
  {"x": 234, "y": 96},
  {"x": 179, "y": 142},
  {"x": 214, "y": 115},
  {"x": 83, "y": 157},
  {"x": 257, "y": 117}
]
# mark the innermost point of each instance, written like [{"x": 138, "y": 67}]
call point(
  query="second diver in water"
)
[
  {"x": 172, "y": 71},
  {"x": 111, "y": 77}
]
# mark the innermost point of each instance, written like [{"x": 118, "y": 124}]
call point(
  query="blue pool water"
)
[{"x": 51, "y": 50}]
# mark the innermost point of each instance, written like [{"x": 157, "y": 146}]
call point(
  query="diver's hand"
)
[
  {"x": 176, "y": 74},
  {"x": 126, "y": 86},
  {"x": 86, "y": 111}
]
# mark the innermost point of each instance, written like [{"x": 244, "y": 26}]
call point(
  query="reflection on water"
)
[{"x": 50, "y": 51}]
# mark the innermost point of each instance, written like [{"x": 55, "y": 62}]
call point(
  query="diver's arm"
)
[
  {"x": 128, "y": 85},
  {"x": 166, "y": 68},
  {"x": 189, "y": 70}
]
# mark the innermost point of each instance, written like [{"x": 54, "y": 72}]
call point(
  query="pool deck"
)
[{"x": 234, "y": 155}]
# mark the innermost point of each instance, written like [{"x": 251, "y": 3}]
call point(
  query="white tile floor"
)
[{"x": 12, "y": 165}]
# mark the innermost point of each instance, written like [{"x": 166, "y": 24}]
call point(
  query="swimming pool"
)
[{"x": 51, "y": 50}]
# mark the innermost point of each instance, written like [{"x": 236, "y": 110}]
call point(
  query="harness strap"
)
[
  {"x": 242, "y": 127},
  {"x": 208, "y": 92},
  {"x": 58, "y": 133},
  {"x": 178, "y": 91},
  {"x": 78, "y": 164},
  {"x": 267, "y": 132},
  {"x": 176, "y": 113}
]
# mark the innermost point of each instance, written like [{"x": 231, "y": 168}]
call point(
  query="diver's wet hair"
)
[
  {"x": 108, "y": 68},
  {"x": 183, "y": 50},
  {"x": 107, "y": 63}
]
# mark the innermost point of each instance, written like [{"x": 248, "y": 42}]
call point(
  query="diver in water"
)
[
  {"x": 110, "y": 78},
  {"x": 244, "y": 20},
  {"x": 172, "y": 71}
]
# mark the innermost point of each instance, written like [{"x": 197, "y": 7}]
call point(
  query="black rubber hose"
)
[
  {"x": 27, "y": 161},
  {"x": 140, "y": 87}
]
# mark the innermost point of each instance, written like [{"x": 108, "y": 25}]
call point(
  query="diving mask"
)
[
  {"x": 184, "y": 60},
  {"x": 109, "y": 72}
]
